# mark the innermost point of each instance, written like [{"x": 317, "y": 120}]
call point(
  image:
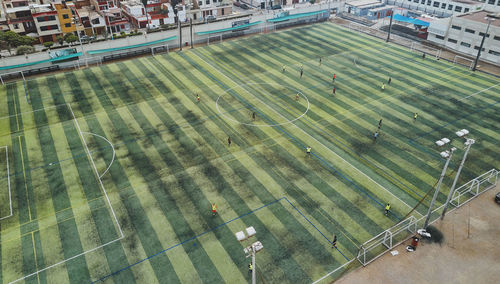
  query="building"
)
[
  {"x": 361, "y": 8},
  {"x": 18, "y": 17},
  {"x": 441, "y": 8},
  {"x": 46, "y": 21},
  {"x": 65, "y": 16},
  {"x": 216, "y": 8},
  {"x": 159, "y": 12},
  {"x": 464, "y": 33},
  {"x": 114, "y": 20}
]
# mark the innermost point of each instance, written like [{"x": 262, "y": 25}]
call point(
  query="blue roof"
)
[{"x": 398, "y": 17}]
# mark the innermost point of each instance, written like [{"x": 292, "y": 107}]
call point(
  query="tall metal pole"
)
[
  {"x": 390, "y": 26},
  {"x": 437, "y": 188},
  {"x": 191, "y": 30},
  {"x": 481, "y": 46},
  {"x": 253, "y": 265},
  {"x": 469, "y": 143}
]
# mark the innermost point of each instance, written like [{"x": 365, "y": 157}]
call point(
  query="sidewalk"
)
[{"x": 469, "y": 254}]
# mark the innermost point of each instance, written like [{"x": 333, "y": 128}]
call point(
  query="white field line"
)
[
  {"x": 32, "y": 111},
  {"x": 478, "y": 92},
  {"x": 112, "y": 147},
  {"x": 333, "y": 271},
  {"x": 307, "y": 134},
  {"x": 107, "y": 198},
  {"x": 8, "y": 181}
]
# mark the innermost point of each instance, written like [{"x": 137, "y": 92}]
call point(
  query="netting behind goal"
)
[
  {"x": 463, "y": 61},
  {"x": 415, "y": 47}
]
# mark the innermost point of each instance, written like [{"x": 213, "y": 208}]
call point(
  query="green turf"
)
[{"x": 167, "y": 160}]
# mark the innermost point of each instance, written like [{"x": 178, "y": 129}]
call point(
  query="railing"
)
[{"x": 392, "y": 237}]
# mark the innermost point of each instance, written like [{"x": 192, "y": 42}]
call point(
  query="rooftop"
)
[
  {"x": 481, "y": 17},
  {"x": 359, "y": 3}
]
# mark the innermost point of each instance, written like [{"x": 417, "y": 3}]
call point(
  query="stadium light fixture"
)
[
  {"x": 447, "y": 155},
  {"x": 468, "y": 143},
  {"x": 442, "y": 142},
  {"x": 251, "y": 250}
]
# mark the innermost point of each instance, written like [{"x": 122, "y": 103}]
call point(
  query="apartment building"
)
[
  {"x": 159, "y": 12},
  {"x": 46, "y": 21},
  {"x": 440, "y": 8},
  {"x": 464, "y": 33},
  {"x": 216, "y": 8}
]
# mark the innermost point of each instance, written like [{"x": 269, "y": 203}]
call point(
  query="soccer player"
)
[
  {"x": 301, "y": 70},
  {"x": 334, "y": 77},
  {"x": 308, "y": 151},
  {"x": 334, "y": 243},
  {"x": 334, "y": 90},
  {"x": 297, "y": 97},
  {"x": 383, "y": 87},
  {"x": 198, "y": 98},
  {"x": 380, "y": 123},
  {"x": 228, "y": 141},
  {"x": 415, "y": 115},
  {"x": 320, "y": 60},
  {"x": 387, "y": 208},
  {"x": 389, "y": 81},
  {"x": 253, "y": 116},
  {"x": 214, "y": 209},
  {"x": 423, "y": 55},
  {"x": 283, "y": 69},
  {"x": 375, "y": 136}
]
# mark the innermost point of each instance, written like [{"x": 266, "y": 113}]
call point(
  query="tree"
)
[
  {"x": 60, "y": 39},
  {"x": 26, "y": 40},
  {"x": 24, "y": 49},
  {"x": 48, "y": 44},
  {"x": 70, "y": 38}
]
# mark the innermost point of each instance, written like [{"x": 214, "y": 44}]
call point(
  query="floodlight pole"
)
[
  {"x": 450, "y": 152},
  {"x": 253, "y": 265},
  {"x": 191, "y": 30},
  {"x": 482, "y": 43},
  {"x": 390, "y": 26},
  {"x": 469, "y": 143}
]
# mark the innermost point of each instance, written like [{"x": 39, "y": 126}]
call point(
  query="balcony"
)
[{"x": 20, "y": 20}]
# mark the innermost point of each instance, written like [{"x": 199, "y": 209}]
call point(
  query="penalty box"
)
[
  {"x": 61, "y": 210},
  {"x": 291, "y": 240}
]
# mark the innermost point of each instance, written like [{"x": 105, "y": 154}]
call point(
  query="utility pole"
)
[
  {"x": 447, "y": 155},
  {"x": 489, "y": 18},
  {"x": 191, "y": 31},
  {"x": 390, "y": 26}
]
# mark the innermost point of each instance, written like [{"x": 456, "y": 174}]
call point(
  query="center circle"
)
[{"x": 229, "y": 91}]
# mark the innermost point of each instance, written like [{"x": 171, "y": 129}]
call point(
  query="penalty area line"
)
[{"x": 8, "y": 182}]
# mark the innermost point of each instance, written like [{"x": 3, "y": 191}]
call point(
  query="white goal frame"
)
[
  {"x": 8, "y": 182},
  {"x": 433, "y": 51},
  {"x": 463, "y": 58},
  {"x": 15, "y": 72}
]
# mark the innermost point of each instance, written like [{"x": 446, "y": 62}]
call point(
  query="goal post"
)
[
  {"x": 467, "y": 62},
  {"x": 214, "y": 38},
  {"x": 15, "y": 74},
  {"x": 425, "y": 49}
]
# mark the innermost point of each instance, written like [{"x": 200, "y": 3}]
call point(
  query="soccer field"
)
[{"x": 108, "y": 173}]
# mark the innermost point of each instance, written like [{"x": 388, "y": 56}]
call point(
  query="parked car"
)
[
  {"x": 237, "y": 3},
  {"x": 210, "y": 18},
  {"x": 244, "y": 6},
  {"x": 497, "y": 198}
]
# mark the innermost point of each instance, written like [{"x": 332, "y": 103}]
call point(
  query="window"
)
[
  {"x": 422, "y": 2},
  {"x": 443, "y": 5},
  {"x": 482, "y": 34},
  {"x": 46, "y": 18},
  {"x": 456, "y": 27},
  {"x": 207, "y": 2},
  {"x": 452, "y": 40},
  {"x": 465, "y": 44},
  {"x": 16, "y": 26},
  {"x": 494, "y": 52},
  {"x": 491, "y": 2},
  {"x": 459, "y": 9},
  {"x": 496, "y": 37},
  {"x": 48, "y": 28},
  {"x": 477, "y": 48},
  {"x": 68, "y": 25},
  {"x": 65, "y": 16},
  {"x": 436, "y": 4},
  {"x": 465, "y": 11},
  {"x": 429, "y": 2},
  {"x": 450, "y": 7},
  {"x": 416, "y": 1},
  {"x": 470, "y": 31},
  {"x": 440, "y": 37},
  {"x": 200, "y": 3}
]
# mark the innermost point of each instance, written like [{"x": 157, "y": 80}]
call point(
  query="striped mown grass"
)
[{"x": 157, "y": 159}]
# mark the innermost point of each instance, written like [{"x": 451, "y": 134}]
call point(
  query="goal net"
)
[
  {"x": 463, "y": 61},
  {"x": 214, "y": 39},
  {"x": 436, "y": 53}
]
